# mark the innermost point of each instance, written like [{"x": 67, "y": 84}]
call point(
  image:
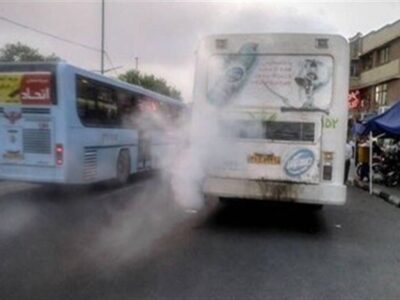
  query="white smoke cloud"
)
[{"x": 15, "y": 217}]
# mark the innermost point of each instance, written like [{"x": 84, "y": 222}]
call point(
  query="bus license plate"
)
[
  {"x": 268, "y": 159},
  {"x": 13, "y": 156}
]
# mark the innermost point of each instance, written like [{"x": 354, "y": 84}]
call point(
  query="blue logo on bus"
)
[
  {"x": 234, "y": 74},
  {"x": 299, "y": 162}
]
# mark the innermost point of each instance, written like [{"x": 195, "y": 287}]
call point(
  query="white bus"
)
[
  {"x": 278, "y": 106},
  {"x": 62, "y": 124}
]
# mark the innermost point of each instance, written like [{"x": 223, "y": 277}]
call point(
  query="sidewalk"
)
[{"x": 389, "y": 194}]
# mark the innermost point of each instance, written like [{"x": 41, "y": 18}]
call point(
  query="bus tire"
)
[{"x": 123, "y": 167}]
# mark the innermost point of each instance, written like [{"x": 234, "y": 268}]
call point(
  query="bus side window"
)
[
  {"x": 174, "y": 115},
  {"x": 127, "y": 109},
  {"x": 86, "y": 101},
  {"x": 106, "y": 106},
  {"x": 96, "y": 104},
  {"x": 135, "y": 114}
]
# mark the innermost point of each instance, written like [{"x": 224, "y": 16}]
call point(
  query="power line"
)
[
  {"x": 111, "y": 63},
  {"x": 49, "y": 34},
  {"x": 60, "y": 39}
]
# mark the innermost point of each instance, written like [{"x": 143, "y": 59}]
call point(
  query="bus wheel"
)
[{"x": 123, "y": 167}]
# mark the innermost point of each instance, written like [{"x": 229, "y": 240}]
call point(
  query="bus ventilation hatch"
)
[{"x": 90, "y": 164}]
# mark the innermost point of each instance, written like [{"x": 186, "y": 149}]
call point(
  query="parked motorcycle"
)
[
  {"x": 392, "y": 169},
  {"x": 386, "y": 169}
]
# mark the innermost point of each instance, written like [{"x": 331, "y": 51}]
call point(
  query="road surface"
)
[{"x": 136, "y": 243}]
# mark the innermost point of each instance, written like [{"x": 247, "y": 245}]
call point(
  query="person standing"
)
[{"x": 348, "y": 156}]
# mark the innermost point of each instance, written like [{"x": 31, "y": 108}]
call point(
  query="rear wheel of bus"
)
[{"x": 123, "y": 167}]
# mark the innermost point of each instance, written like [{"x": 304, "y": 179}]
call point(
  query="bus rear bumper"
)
[
  {"x": 34, "y": 174},
  {"x": 275, "y": 191}
]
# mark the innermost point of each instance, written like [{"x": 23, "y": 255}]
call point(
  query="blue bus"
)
[{"x": 62, "y": 124}]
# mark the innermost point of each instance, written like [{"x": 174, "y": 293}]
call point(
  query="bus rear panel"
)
[
  {"x": 30, "y": 147},
  {"x": 279, "y": 101}
]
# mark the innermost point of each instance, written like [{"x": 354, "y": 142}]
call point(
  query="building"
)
[{"x": 374, "y": 70}]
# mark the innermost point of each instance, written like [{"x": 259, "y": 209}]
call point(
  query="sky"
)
[{"x": 164, "y": 34}]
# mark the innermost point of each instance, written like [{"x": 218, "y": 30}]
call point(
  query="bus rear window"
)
[
  {"x": 290, "y": 131},
  {"x": 270, "y": 130}
]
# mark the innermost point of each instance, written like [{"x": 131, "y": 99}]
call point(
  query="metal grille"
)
[
  {"x": 37, "y": 141},
  {"x": 90, "y": 164}
]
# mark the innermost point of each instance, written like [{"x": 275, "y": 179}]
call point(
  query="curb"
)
[{"x": 394, "y": 200}]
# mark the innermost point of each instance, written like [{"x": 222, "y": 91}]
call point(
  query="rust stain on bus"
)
[{"x": 275, "y": 191}]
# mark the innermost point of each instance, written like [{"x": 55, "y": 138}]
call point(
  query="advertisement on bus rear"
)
[
  {"x": 290, "y": 81},
  {"x": 25, "y": 88}
]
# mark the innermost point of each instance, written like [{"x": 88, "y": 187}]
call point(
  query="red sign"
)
[
  {"x": 354, "y": 100},
  {"x": 36, "y": 89}
]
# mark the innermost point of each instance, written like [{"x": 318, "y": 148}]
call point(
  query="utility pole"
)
[
  {"x": 102, "y": 36},
  {"x": 137, "y": 63}
]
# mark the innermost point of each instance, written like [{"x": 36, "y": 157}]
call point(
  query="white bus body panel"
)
[
  {"x": 296, "y": 169},
  {"x": 267, "y": 190}
]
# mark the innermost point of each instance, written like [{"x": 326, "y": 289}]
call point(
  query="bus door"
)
[
  {"x": 141, "y": 156},
  {"x": 144, "y": 152}
]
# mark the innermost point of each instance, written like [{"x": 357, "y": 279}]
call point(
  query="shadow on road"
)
[
  {"x": 67, "y": 193},
  {"x": 266, "y": 216}
]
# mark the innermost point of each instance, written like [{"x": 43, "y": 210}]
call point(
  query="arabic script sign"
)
[{"x": 25, "y": 88}]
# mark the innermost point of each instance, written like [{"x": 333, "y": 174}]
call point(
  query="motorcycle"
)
[
  {"x": 386, "y": 169},
  {"x": 392, "y": 169}
]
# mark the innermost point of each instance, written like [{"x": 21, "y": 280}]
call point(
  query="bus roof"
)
[
  {"x": 281, "y": 42},
  {"x": 272, "y": 34}
]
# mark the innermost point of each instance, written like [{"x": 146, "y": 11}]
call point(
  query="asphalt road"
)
[{"x": 136, "y": 243}]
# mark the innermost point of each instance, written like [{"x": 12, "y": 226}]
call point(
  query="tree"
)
[
  {"x": 150, "y": 82},
  {"x": 19, "y": 52}
]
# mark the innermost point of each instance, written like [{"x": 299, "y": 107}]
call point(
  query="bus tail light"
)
[
  {"x": 59, "y": 154},
  {"x": 327, "y": 165}
]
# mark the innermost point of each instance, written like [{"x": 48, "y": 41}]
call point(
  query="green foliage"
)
[
  {"x": 150, "y": 82},
  {"x": 19, "y": 52}
]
